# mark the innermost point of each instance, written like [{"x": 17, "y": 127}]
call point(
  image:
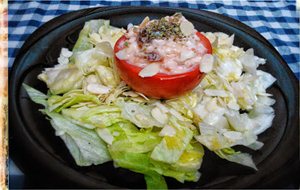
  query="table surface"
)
[{"x": 277, "y": 21}]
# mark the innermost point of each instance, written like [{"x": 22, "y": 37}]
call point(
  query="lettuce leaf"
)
[
  {"x": 106, "y": 33},
  {"x": 191, "y": 158},
  {"x": 184, "y": 104},
  {"x": 171, "y": 147},
  {"x": 129, "y": 138},
  {"x": 139, "y": 163},
  {"x": 176, "y": 172},
  {"x": 99, "y": 116},
  {"x": 155, "y": 181},
  {"x": 84, "y": 144},
  {"x": 83, "y": 41},
  {"x": 107, "y": 76},
  {"x": 219, "y": 138},
  {"x": 62, "y": 78},
  {"x": 88, "y": 60},
  {"x": 131, "y": 148},
  {"x": 237, "y": 157},
  {"x": 36, "y": 96},
  {"x": 142, "y": 163}
]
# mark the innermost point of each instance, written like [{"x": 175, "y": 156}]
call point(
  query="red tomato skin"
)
[
  {"x": 206, "y": 43},
  {"x": 159, "y": 86}
]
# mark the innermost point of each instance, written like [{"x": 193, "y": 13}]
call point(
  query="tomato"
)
[
  {"x": 205, "y": 42},
  {"x": 160, "y": 86}
]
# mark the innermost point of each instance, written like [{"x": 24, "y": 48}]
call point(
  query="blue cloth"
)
[{"x": 277, "y": 21}]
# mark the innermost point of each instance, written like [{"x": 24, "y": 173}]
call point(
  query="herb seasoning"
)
[{"x": 164, "y": 28}]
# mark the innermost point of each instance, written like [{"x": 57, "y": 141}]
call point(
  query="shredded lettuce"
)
[
  {"x": 234, "y": 84},
  {"x": 57, "y": 103},
  {"x": 102, "y": 119}
]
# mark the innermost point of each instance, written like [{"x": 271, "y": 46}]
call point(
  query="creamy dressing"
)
[{"x": 174, "y": 56}]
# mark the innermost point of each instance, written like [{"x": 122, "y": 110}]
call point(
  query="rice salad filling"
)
[{"x": 170, "y": 42}]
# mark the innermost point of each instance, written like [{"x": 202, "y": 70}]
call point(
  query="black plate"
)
[{"x": 31, "y": 133}]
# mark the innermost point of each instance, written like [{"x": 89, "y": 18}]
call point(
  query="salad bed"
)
[{"x": 101, "y": 119}]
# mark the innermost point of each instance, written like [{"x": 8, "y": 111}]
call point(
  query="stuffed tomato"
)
[{"x": 162, "y": 58}]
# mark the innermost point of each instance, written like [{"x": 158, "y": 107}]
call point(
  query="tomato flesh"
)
[{"x": 159, "y": 86}]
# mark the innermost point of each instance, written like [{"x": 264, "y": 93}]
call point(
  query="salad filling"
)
[{"x": 171, "y": 43}]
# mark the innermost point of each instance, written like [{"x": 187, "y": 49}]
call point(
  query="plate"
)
[{"x": 33, "y": 140}]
